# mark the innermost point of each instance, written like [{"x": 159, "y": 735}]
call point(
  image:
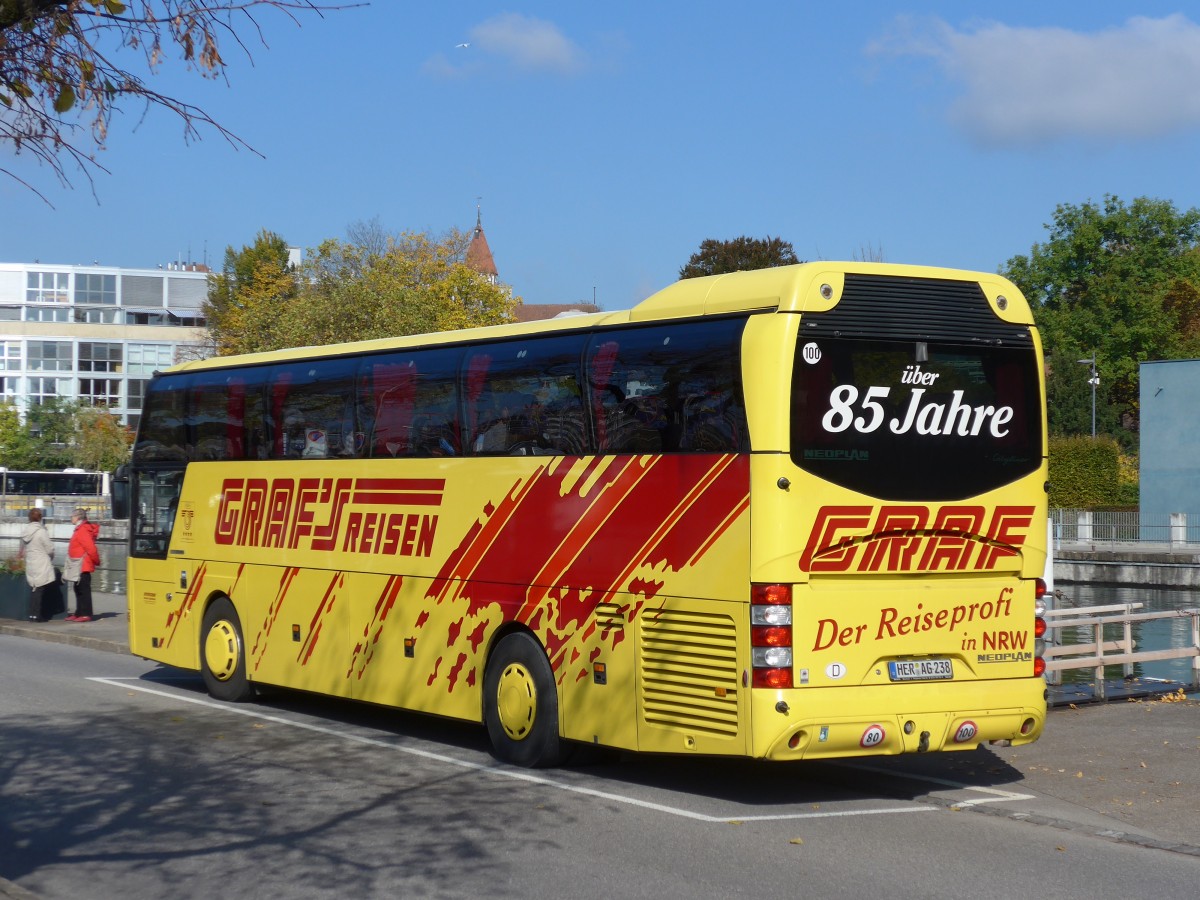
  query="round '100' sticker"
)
[
  {"x": 966, "y": 731},
  {"x": 811, "y": 353},
  {"x": 873, "y": 736}
]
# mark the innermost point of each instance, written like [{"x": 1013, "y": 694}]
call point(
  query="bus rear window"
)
[{"x": 916, "y": 420}]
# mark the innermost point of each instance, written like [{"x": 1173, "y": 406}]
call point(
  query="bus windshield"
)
[{"x": 916, "y": 419}]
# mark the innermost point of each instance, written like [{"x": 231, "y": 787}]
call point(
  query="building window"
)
[
  {"x": 100, "y": 391},
  {"x": 146, "y": 359},
  {"x": 96, "y": 316},
  {"x": 94, "y": 290},
  {"x": 10, "y": 354},
  {"x": 146, "y": 318},
  {"x": 137, "y": 393},
  {"x": 42, "y": 389},
  {"x": 10, "y": 387},
  {"x": 100, "y": 358},
  {"x": 50, "y": 356},
  {"x": 10, "y": 313},
  {"x": 48, "y": 287},
  {"x": 47, "y": 314}
]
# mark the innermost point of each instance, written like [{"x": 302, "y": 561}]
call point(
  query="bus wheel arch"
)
[
  {"x": 520, "y": 702},
  {"x": 223, "y": 652}
]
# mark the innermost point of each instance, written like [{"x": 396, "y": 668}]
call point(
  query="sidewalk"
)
[{"x": 109, "y": 631}]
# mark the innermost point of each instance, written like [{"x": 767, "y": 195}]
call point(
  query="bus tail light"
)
[
  {"x": 771, "y": 635},
  {"x": 1039, "y": 627}
]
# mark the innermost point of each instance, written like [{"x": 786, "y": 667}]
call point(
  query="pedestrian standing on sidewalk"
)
[
  {"x": 38, "y": 552},
  {"x": 82, "y": 559}
]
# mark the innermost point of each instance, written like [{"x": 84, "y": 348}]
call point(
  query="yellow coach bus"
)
[{"x": 789, "y": 514}]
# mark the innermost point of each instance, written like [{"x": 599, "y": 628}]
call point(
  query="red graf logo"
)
[
  {"x": 873, "y": 737},
  {"x": 906, "y": 538},
  {"x": 966, "y": 731},
  {"x": 384, "y": 516}
]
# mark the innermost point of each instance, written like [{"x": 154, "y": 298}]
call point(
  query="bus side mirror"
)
[{"x": 120, "y": 493}]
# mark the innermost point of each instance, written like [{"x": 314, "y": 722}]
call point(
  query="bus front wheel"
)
[
  {"x": 520, "y": 704},
  {"x": 223, "y": 653}
]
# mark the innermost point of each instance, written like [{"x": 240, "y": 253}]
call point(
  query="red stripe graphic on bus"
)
[
  {"x": 314, "y": 627},
  {"x": 575, "y": 535},
  {"x": 259, "y": 649},
  {"x": 364, "y": 650},
  {"x": 175, "y": 617}
]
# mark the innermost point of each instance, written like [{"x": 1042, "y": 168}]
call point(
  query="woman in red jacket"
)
[{"x": 82, "y": 552}]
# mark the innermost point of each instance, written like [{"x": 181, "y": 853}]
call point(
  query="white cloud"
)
[
  {"x": 527, "y": 43},
  {"x": 512, "y": 41},
  {"x": 1034, "y": 85}
]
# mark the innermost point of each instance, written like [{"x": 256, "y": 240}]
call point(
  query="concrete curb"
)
[{"x": 63, "y": 637}]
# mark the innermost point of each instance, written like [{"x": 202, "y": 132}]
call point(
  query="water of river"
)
[{"x": 1157, "y": 634}]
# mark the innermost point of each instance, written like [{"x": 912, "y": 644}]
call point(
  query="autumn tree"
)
[
  {"x": 1119, "y": 280},
  {"x": 250, "y": 301},
  {"x": 66, "y": 67},
  {"x": 738, "y": 255},
  {"x": 101, "y": 442},
  {"x": 412, "y": 283},
  {"x": 384, "y": 286}
]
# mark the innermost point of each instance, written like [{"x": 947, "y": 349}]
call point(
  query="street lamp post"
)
[{"x": 1093, "y": 380}]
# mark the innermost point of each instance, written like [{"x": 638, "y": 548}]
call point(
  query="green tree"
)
[
  {"x": 1122, "y": 281},
  {"x": 13, "y": 436},
  {"x": 738, "y": 255},
  {"x": 48, "y": 437},
  {"x": 1069, "y": 401},
  {"x": 57, "y": 66},
  {"x": 250, "y": 301}
]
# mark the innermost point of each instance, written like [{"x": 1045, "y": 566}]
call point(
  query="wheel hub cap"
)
[{"x": 516, "y": 701}]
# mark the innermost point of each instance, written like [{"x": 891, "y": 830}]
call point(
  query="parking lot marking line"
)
[
  {"x": 494, "y": 769},
  {"x": 999, "y": 796}
]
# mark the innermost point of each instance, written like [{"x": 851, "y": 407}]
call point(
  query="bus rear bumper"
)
[{"x": 888, "y": 720}]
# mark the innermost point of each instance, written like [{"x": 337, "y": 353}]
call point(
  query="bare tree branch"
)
[{"x": 62, "y": 76}]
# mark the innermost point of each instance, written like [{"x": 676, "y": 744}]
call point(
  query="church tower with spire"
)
[{"x": 479, "y": 254}]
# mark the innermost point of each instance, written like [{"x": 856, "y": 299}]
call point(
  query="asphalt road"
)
[{"x": 119, "y": 778}]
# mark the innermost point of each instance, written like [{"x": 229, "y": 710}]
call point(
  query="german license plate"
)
[{"x": 920, "y": 669}]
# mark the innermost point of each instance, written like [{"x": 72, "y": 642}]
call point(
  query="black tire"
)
[
  {"x": 223, "y": 653},
  {"x": 520, "y": 704}
]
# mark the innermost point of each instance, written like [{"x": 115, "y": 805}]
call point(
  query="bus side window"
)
[
  {"x": 389, "y": 391},
  {"x": 669, "y": 388},
  {"x": 314, "y": 406},
  {"x": 436, "y": 430},
  {"x": 162, "y": 436},
  {"x": 523, "y": 397},
  {"x": 215, "y": 416}
]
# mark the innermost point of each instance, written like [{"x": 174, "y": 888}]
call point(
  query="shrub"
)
[
  {"x": 1089, "y": 472},
  {"x": 12, "y": 566}
]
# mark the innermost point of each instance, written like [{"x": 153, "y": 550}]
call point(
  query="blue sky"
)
[{"x": 607, "y": 140}]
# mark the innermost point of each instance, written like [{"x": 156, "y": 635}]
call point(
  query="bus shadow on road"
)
[
  {"x": 755, "y": 783},
  {"x": 759, "y": 783}
]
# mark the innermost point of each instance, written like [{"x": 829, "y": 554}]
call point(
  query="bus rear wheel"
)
[
  {"x": 520, "y": 704},
  {"x": 223, "y": 653}
]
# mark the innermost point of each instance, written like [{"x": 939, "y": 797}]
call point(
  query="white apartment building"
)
[{"x": 96, "y": 333}]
